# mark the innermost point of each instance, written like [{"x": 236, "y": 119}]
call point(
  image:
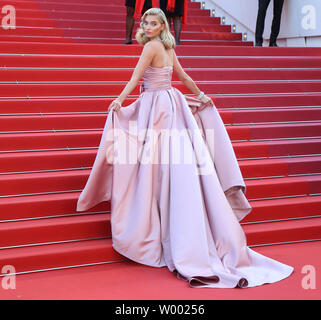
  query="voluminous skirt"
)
[{"x": 177, "y": 194}]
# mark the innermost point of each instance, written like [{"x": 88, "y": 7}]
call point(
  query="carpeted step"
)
[
  {"x": 70, "y": 140},
  {"x": 11, "y": 123},
  {"x": 82, "y": 226},
  {"x": 291, "y": 208},
  {"x": 99, "y": 89},
  {"x": 96, "y": 33},
  {"x": 135, "y": 49},
  {"x": 111, "y": 25},
  {"x": 18, "y": 233},
  {"x": 280, "y": 167},
  {"x": 274, "y": 115},
  {"x": 273, "y": 100},
  {"x": 94, "y": 104},
  {"x": 108, "y": 61},
  {"x": 47, "y": 205},
  {"x": 197, "y": 74},
  {"x": 55, "y": 39},
  {"x": 277, "y": 148},
  {"x": 67, "y": 181},
  {"x": 79, "y": 139},
  {"x": 15, "y": 162},
  {"x": 214, "y": 26},
  {"x": 283, "y": 187},
  {"x": 64, "y": 204},
  {"x": 59, "y": 255},
  {"x": 284, "y": 231}
]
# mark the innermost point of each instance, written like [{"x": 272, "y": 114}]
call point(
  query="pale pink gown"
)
[{"x": 180, "y": 214}]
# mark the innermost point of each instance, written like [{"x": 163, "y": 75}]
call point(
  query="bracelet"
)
[{"x": 200, "y": 95}]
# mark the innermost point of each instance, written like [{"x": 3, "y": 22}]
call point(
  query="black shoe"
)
[
  {"x": 127, "y": 42},
  {"x": 273, "y": 44},
  {"x": 258, "y": 44}
]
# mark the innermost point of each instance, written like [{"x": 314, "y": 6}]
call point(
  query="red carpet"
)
[
  {"x": 61, "y": 68},
  {"x": 130, "y": 280}
]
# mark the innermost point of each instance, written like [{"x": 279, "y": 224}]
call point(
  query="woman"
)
[
  {"x": 168, "y": 212},
  {"x": 174, "y": 10}
]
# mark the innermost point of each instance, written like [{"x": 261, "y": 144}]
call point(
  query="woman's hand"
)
[
  {"x": 207, "y": 101},
  {"x": 115, "y": 105}
]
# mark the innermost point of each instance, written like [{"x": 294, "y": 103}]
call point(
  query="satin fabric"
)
[{"x": 180, "y": 214}]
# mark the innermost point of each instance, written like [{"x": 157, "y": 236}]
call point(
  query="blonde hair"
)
[{"x": 166, "y": 36}]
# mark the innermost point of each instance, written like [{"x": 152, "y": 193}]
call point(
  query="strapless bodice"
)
[{"x": 155, "y": 78}]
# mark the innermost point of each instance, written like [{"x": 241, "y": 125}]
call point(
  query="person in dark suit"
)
[
  {"x": 130, "y": 21},
  {"x": 275, "y": 28}
]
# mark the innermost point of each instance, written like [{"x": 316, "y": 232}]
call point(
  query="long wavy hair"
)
[{"x": 166, "y": 36}]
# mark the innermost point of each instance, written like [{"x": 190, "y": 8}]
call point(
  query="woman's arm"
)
[
  {"x": 184, "y": 77},
  {"x": 144, "y": 61},
  {"x": 188, "y": 81}
]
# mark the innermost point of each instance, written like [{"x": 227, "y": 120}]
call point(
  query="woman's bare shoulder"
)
[{"x": 154, "y": 44}]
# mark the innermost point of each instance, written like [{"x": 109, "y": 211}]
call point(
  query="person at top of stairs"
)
[
  {"x": 132, "y": 7},
  {"x": 174, "y": 10},
  {"x": 275, "y": 28}
]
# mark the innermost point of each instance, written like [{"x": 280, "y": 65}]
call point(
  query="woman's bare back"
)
[{"x": 163, "y": 57}]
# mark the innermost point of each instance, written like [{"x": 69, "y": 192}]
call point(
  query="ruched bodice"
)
[{"x": 157, "y": 78}]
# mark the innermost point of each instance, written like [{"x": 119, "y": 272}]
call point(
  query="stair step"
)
[
  {"x": 59, "y": 160},
  {"x": 98, "y": 226},
  {"x": 85, "y": 139},
  {"x": 286, "y": 208},
  {"x": 198, "y": 17},
  {"x": 197, "y": 74},
  {"x": 267, "y": 101},
  {"x": 285, "y": 231},
  {"x": 48, "y": 205},
  {"x": 14, "y": 123},
  {"x": 112, "y": 25},
  {"x": 93, "y": 104},
  {"x": 57, "y": 61},
  {"x": 280, "y": 167},
  {"x": 98, "y": 89},
  {"x": 55, "y": 39},
  {"x": 135, "y": 49},
  {"x": 60, "y": 255},
  {"x": 274, "y": 115},
  {"x": 96, "y": 33},
  {"x": 277, "y": 148},
  {"x": 19, "y": 233},
  {"x": 64, "y": 181}
]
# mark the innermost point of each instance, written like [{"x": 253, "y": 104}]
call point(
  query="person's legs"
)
[
  {"x": 263, "y": 5},
  {"x": 146, "y": 7},
  {"x": 275, "y": 28},
  {"x": 169, "y": 20},
  {"x": 177, "y": 22},
  {"x": 129, "y": 25}
]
